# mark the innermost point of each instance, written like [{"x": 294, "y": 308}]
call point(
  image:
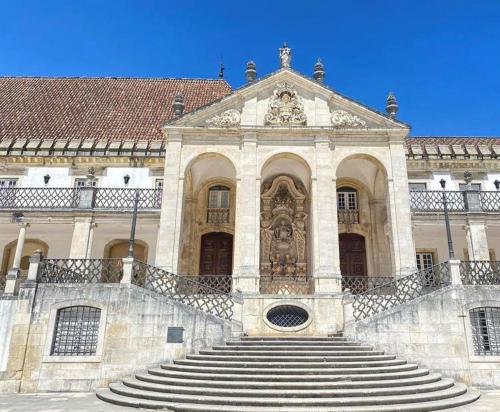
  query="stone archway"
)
[{"x": 283, "y": 233}]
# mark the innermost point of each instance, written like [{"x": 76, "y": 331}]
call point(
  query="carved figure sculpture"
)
[
  {"x": 228, "y": 118},
  {"x": 345, "y": 120},
  {"x": 285, "y": 107}
]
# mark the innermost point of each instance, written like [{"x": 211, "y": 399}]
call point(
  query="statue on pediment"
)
[
  {"x": 285, "y": 55},
  {"x": 285, "y": 107}
]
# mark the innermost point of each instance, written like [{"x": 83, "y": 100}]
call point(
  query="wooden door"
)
[
  {"x": 352, "y": 254},
  {"x": 216, "y": 257}
]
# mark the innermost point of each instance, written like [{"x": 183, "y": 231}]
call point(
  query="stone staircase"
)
[{"x": 289, "y": 374}]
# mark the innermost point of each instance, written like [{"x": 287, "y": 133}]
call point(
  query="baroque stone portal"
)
[{"x": 283, "y": 228}]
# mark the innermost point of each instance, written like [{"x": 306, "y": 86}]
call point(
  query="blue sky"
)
[{"x": 441, "y": 57}]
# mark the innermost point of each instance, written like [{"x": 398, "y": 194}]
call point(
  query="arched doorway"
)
[
  {"x": 216, "y": 254},
  {"x": 352, "y": 254},
  {"x": 118, "y": 249}
]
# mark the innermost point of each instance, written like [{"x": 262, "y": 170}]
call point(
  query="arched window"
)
[
  {"x": 218, "y": 204},
  {"x": 485, "y": 323},
  {"x": 76, "y": 331}
]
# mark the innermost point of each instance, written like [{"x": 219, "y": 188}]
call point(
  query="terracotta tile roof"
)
[
  {"x": 453, "y": 140},
  {"x": 96, "y": 108}
]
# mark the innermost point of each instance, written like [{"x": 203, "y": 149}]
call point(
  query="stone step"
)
[
  {"x": 313, "y": 376},
  {"x": 362, "y": 357},
  {"x": 292, "y": 338},
  {"x": 466, "y": 398},
  {"x": 340, "y": 401},
  {"x": 290, "y": 370},
  {"x": 293, "y": 347},
  {"x": 294, "y": 342},
  {"x": 228, "y": 381},
  {"x": 293, "y": 364},
  {"x": 290, "y": 352},
  {"x": 285, "y": 393}
]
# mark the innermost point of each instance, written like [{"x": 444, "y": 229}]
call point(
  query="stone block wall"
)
[
  {"x": 435, "y": 332},
  {"x": 132, "y": 336}
]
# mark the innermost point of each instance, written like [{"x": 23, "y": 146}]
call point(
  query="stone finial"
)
[
  {"x": 319, "y": 71},
  {"x": 178, "y": 104},
  {"x": 251, "y": 72},
  {"x": 391, "y": 106},
  {"x": 285, "y": 56}
]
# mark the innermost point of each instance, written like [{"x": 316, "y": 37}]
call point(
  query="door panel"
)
[
  {"x": 216, "y": 257},
  {"x": 352, "y": 254}
]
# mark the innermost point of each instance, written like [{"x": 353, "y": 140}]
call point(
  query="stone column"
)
[
  {"x": 83, "y": 233},
  {"x": 477, "y": 240},
  {"x": 399, "y": 213},
  {"x": 14, "y": 272},
  {"x": 324, "y": 220},
  {"x": 247, "y": 223},
  {"x": 169, "y": 231}
]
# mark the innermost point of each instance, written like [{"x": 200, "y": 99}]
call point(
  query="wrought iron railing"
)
[
  {"x": 218, "y": 215},
  {"x": 286, "y": 285},
  {"x": 360, "y": 284},
  {"x": 183, "y": 289},
  {"x": 3, "y": 280},
  {"x": 80, "y": 271},
  {"x": 489, "y": 201},
  {"x": 348, "y": 216},
  {"x": 40, "y": 198},
  {"x": 480, "y": 272},
  {"x": 400, "y": 291},
  {"x": 432, "y": 201},
  {"x": 223, "y": 283}
]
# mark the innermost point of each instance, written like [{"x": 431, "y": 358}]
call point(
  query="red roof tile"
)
[
  {"x": 96, "y": 108},
  {"x": 457, "y": 140}
]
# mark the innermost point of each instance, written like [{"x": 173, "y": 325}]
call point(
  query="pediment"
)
[{"x": 287, "y": 99}]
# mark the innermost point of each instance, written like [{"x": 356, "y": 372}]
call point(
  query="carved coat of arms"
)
[{"x": 285, "y": 107}]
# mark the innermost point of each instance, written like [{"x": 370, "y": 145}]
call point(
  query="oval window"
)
[{"x": 287, "y": 316}]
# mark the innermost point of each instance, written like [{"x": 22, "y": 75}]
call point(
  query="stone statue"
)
[
  {"x": 285, "y": 56},
  {"x": 283, "y": 233}
]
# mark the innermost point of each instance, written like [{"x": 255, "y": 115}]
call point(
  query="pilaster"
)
[
  {"x": 477, "y": 239},
  {"x": 83, "y": 233}
]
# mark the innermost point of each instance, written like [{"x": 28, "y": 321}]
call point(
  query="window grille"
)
[
  {"x": 76, "y": 332},
  {"x": 8, "y": 183},
  {"x": 485, "y": 324}
]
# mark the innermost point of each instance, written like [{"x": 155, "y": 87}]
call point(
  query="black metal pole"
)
[
  {"x": 451, "y": 253},
  {"x": 132, "y": 228}
]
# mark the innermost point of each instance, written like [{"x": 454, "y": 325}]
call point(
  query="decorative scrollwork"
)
[
  {"x": 400, "y": 291},
  {"x": 285, "y": 107},
  {"x": 228, "y": 118},
  {"x": 345, "y": 120}
]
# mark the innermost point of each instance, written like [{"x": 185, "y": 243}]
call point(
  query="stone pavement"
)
[{"x": 84, "y": 402}]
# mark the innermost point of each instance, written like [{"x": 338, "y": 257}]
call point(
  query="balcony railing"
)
[
  {"x": 348, "y": 216},
  {"x": 218, "y": 215},
  {"x": 285, "y": 285},
  {"x": 458, "y": 201},
  {"x": 360, "y": 284},
  {"x": 41, "y": 198},
  {"x": 480, "y": 272}
]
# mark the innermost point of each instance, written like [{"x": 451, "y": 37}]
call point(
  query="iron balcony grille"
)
[
  {"x": 80, "y": 271},
  {"x": 223, "y": 283},
  {"x": 360, "y": 284},
  {"x": 489, "y": 201},
  {"x": 76, "y": 332},
  {"x": 41, "y": 198},
  {"x": 480, "y": 272},
  {"x": 348, "y": 216},
  {"x": 184, "y": 290},
  {"x": 400, "y": 291},
  {"x": 432, "y": 201},
  {"x": 217, "y": 215},
  {"x": 3, "y": 280},
  {"x": 485, "y": 323}
]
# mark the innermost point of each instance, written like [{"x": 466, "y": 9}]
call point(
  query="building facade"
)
[{"x": 283, "y": 192}]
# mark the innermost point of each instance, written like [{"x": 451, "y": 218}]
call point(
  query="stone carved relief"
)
[
  {"x": 285, "y": 107},
  {"x": 345, "y": 120},
  {"x": 283, "y": 228},
  {"x": 229, "y": 118}
]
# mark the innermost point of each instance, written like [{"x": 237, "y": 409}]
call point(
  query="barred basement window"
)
[
  {"x": 76, "y": 332},
  {"x": 485, "y": 324}
]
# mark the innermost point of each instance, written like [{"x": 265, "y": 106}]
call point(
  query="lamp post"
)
[
  {"x": 131, "y": 239},
  {"x": 451, "y": 253},
  {"x": 497, "y": 184}
]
